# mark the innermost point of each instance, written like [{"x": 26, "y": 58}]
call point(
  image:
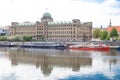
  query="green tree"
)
[
  {"x": 16, "y": 38},
  {"x": 27, "y": 38},
  {"x": 42, "y": 38},
  {"x": 108, "y": 37},
  {"x": 114, "y": 33},
  {"x": 104, "y": 35},
  {"x": 3, "y": 38},
  {"x": 96, "y": 33}
]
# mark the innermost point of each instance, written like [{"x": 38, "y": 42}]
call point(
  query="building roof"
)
[
  {"x": 46, "y": 15},
  {"x": 25, "y": 24},
  {"x": 110, "y": 28},
  {"x": 59, "y": 22}
]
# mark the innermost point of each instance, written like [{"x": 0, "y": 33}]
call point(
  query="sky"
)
[{"x": 99, "y": 12}]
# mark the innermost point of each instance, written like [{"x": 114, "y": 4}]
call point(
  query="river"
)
[{"x": 50, "y": 64}]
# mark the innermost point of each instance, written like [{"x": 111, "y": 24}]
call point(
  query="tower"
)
[{"x": 110, "y": 24}]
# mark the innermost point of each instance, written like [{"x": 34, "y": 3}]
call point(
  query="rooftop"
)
[
  {"x": 110, "y": 28},
  {"x": 46, "y": 15},
  {"x": 26, "y": 23},
  {"x": 60, "y": 22}
]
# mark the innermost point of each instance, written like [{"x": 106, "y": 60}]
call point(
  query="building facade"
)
[
  {"x": 54, "y": 31},
  {"x": 23, "y": 29}
]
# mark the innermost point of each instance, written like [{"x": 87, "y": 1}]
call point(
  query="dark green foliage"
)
[
  {"x": 27, "y": 38},
  {"x": 42, "y": 38},
  {"x": 108, "y": 37},
  {"x": 114, "y": 33},
  {"x": 104, "y": 35},
  {"x": 96, "y": 33},
  {"x": 3, "y": 38},
  {"x": 17, "y": 38}
]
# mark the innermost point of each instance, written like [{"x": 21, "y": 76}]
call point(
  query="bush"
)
[
  {"x": 17, "y": 38},
  {"x": 3, "y": 38},
  {"x": 27, "y": 38}
]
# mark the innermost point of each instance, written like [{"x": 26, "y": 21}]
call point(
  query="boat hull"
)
[
  {"x": 99, "y": 49},
  {"x": 43, "y": 47},
  {"x": 7, "y": 45}
]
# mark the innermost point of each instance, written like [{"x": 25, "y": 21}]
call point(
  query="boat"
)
[
  {"x": 118, "y": 48},
  {"x": 99, "y": 47},
  {"x": 114, "y": 47},
  {"x": 44, "y": 45},
  {"x": 7, "y": 45}
]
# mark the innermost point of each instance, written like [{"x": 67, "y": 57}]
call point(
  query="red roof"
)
[{"x": 110, "y": 28}]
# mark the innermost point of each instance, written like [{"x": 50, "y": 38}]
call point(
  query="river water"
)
[{"x": 45, "y": 64}]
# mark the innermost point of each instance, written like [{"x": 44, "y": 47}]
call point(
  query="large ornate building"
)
[{"x": 54, "y": 31}]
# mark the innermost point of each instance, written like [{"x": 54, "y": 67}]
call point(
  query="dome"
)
[{"x": 46, "y": 15}]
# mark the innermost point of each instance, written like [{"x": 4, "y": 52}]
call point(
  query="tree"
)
[
  {"x": 16, "y": 38},
  {"x": 27, "y": 38},
  {"x": 3, "y": 38},
  {"x": 104, "y": 35},
  {"x": 96, "y": 33},
  {"x": 42, "y": 38},
  {"x": 108, "y": 37},
  {"x": 114, "y": 33}
]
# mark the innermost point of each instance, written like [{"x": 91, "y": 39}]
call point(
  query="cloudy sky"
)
[{"x": 98, "y": 11}]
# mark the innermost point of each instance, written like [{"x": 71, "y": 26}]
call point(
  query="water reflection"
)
[
  {"x": 47, "y": 61},
  {"x": 39, "y": 64},
  {"x": 114, "y": 52}
]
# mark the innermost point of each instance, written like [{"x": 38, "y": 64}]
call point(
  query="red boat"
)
[{"x": 99, "y": 47}]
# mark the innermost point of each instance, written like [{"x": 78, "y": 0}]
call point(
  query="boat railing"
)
[{"x": 44, "y": 44}]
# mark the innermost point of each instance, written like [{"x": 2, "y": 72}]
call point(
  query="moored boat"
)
[
  {"x": 99, "y": 47},
  {"x": 7, "y": 45},
  {"x": 44, "y": 46}
]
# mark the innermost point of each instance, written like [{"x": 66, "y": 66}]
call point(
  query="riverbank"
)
[{"x": 110, "y": 43}]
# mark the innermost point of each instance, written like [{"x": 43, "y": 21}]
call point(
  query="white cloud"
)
[{"x": 61, "y": 10}]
